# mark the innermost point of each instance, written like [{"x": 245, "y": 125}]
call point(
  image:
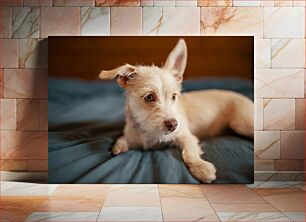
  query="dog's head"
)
[{"x": 152, "y": 92}]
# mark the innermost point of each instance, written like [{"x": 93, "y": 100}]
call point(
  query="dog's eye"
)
[
  {"x": 149, "y": 98},
  {"x": 174, "y": 96}
]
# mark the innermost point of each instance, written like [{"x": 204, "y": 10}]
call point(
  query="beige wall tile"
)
[
  {"x": 289, "y": 165},
  {"x": 279, "y": 114},
  {"x": 159, "y": 21},
  {"x": 283, "y": 3},
  {"x": 33, "y": 53},
  {"x": 163, "y": 3},
  {"x": 37, "y": 2},
  {"x": 51, "y": 17},
  {"x": 258, "y": 118},
  {"x": 126, "y": 21},
  {"x": 267, "y": 145},
  {"x": 25, "y": 83},
  {"x": 43, "y": 114},
  {"x": 5, "y": 22},
  {"x": 25, "y": 22},
  {"x": 284, "y": 50},
  {"x": 95, "y": 21},
  {"x": 246, "y": 3},
  {"x": 117, "y": 3},
  {"x": 263, "y": 165},
  {"x": 279, "y": 83},
  {"x": 215, "y": 3},
  {"x": 8, "y": 114},
  {"x": 305, "y": 83},
  {"x": 300, "y": 114},
  {"x": 24, "y": 145},
  {"x": 263, "y": 53},
  {"x": 299, "y": 3},
  {"x": 27, "y": 114},
  {"x": 266, "y": 3},
  {"x": 232, "y": 21},
  {"x": 146, "y": 2},
  {"x": 1, "y": 83},
  {"x": 284, "y": 22},
  {"x": 186, "y": 3},
  {"x": 73, "y": 2},
  {"x": 8, "y": 53},
  {"x": 10, "y": 3},
  {"x": 292, "y": 145},
  {"x": 37, "y": 165},
  {"x": 13, "y": 165}
]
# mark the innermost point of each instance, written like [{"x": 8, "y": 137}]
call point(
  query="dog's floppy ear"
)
[
  {"x": 123, "y": 74},
  {"x": 177, "y": 59}
]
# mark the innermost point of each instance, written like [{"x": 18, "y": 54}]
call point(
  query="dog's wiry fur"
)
[{"x": 198, "y": 114}]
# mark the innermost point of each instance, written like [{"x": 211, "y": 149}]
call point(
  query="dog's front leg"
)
[
  {"x": 191, "y": 151},
  {"x": 120, "y": 146}
]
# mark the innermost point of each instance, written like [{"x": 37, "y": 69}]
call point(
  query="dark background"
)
[{"x": 208, "y": 56}]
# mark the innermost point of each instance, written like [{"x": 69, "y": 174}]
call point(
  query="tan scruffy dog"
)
[{"x": 157, "y": 113}]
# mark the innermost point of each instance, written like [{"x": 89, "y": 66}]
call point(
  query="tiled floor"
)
[{"x": 262, "y": 201}]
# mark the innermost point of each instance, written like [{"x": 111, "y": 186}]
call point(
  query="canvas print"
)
[{"x": 151, "y": 109}]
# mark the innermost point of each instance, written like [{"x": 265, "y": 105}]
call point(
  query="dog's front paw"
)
[
  {"x": 204, "y": 171},
  {"x": 120, "y": 146}
]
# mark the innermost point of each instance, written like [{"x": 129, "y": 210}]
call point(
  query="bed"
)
[{"x": 86, "y": 117}]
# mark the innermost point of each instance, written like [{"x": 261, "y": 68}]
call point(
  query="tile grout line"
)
[
  {"x": 161, "y": 209},
  {"x": 267, "y": 202},
  {"x": 104, "y": 201},
  {"x": 209, "y": 202},
  {"x": 278, "y": 210}
]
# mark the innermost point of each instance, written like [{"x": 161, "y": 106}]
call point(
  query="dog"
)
[{"x": 157, "y": 113}]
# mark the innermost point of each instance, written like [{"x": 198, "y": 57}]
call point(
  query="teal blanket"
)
[{"x": 85, "y": 118}]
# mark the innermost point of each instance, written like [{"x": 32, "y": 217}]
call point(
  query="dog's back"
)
[{"x": 210, "y": 111}]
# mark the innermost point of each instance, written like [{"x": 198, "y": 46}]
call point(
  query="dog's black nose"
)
[{"x": 171, "y": 124}]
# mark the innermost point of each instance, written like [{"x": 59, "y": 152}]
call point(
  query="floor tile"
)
[
  {"x": 296, "y": 216},
  {"x": 18, "y": 208},
  {"x": 63, "y": 216},
  {"x": 230, "y": 194},
  {"x": 9, "y": 188},
  {"x": 264, "y": 207},
  {"x": 71, "y": 204},
  {"x": 187, "y": 209},
  {"x": 251, "y": 216},
  {"x": 278, "y": 191},
  {"x": 184, "y": 190},
  {"x": 276, "y": 184},
  {"x": 130, "y": 214},
  {"x": 92, "y": 191},
  {"x": 285, "y": 200},
  {"x": 133, "y": 196}
]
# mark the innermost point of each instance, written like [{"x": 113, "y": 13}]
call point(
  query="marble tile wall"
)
[{"x": 278, "y": 27}]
